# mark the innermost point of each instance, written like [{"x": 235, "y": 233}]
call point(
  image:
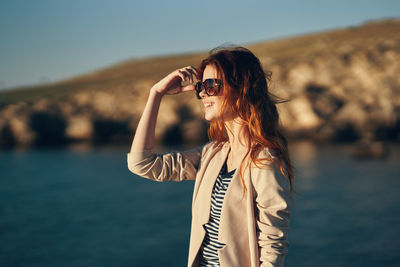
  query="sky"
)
[{"x": 45, "y": 41}]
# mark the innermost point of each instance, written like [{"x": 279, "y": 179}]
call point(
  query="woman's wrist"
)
[{"x": 155, "y": 93}]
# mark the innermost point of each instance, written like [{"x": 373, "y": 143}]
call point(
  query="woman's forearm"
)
[
  {"x": 170, "y": 84},
  {"x": 145, "y": 131}
]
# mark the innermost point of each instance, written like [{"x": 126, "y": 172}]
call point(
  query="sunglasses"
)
[{"x": 211, "y": 86}]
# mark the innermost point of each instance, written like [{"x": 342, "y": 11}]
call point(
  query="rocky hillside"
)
[{"x": 343, "y": 85}]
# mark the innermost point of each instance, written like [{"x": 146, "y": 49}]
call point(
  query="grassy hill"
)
[
  {"x": 283, "y": 52},
  {"x": 343, "y": 83}
]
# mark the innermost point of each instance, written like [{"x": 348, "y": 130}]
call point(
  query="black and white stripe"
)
[{"x": 210, "y": 245}]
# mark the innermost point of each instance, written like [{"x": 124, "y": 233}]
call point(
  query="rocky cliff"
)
[{"x": 342, "y": 85}]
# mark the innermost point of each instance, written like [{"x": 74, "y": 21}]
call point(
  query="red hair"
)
[{"x": 246, "y": 93}]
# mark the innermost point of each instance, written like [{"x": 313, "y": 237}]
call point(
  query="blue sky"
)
[{"x": 49, "y": 40}]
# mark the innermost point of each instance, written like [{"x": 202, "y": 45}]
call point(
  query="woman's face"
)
[{"x": 212, "y": 104}]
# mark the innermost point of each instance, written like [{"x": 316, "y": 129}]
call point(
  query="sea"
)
[{"x": 81, "y": 206}]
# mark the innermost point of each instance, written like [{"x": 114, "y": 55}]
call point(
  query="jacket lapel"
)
[{"x": 210, "y": 177}]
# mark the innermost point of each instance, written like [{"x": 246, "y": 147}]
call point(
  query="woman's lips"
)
[{"x": 208, "y": 104}]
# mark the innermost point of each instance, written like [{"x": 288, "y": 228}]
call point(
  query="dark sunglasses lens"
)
[
  {"x": 198, "y": 88},
  {"x": 211, "y": 87},
  {"x": 211, "y": 91}
]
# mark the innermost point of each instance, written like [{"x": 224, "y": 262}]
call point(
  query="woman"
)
[{"x": 243, "y": 176}]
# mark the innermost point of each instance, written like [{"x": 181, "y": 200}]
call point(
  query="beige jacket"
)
[{"x": 254, "y": 228}]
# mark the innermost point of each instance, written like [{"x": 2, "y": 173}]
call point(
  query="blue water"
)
[{"x": 82, "y": 207}]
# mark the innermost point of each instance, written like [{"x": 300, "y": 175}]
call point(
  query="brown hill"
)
[{"x": 343, "y": 86}]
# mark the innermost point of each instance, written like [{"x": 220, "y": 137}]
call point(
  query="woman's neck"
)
[{"x": 237, "y": 141}]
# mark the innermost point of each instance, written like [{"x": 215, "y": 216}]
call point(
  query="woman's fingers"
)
[
  {"x": 188, "y": 72},
  {"x": 172, "y": 84},
  {"x": 182, "y": 75},
  {"x": 192, "y": 70},
  {"x": 187, "y": 88}
]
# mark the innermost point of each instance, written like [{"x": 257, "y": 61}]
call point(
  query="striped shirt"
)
[{"x": 210, "y": 245}]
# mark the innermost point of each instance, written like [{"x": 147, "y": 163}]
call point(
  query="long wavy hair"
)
[{"x": 246, "y": 93}]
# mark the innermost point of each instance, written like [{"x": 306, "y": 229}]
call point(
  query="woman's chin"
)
[{"x": 209, "y": 116}]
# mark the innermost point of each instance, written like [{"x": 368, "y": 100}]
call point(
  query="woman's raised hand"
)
[{"x": 172, "y": 83}]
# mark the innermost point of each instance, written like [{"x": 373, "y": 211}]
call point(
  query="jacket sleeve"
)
[
  {"x": 273, "y": 202},
  {"x": 172, "y": 166}
]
